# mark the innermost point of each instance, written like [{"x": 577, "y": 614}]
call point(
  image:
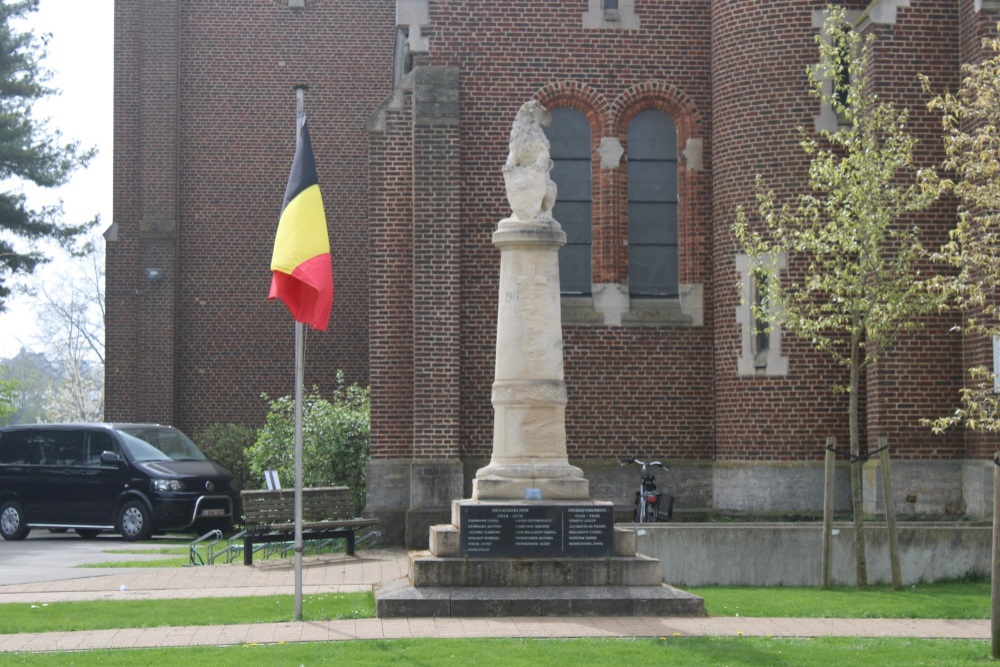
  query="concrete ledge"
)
[
  {"x": 399, "y": 599},
  {"x": 427, "y": 570},
  {"x": 744, "y": 554}
]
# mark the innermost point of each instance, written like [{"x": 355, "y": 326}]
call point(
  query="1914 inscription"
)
[{"x": 536, "y": 530}]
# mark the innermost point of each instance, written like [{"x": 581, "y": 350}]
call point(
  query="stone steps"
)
[{"x": 399, "y": 599}]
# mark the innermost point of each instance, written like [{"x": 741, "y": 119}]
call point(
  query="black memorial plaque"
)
[{"x": 541, "y": 531}]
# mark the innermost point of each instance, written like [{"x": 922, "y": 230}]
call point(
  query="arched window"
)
[
  {"x": 652, "y": 205},
  {"x": 569, "y": 136}
]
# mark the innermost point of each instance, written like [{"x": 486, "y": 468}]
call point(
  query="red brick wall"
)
[
  {"x": 974, "y": 27},
  {"x": 922, "y": 373},
  {"x": 759, "y": 58},
  {"x": 121, "y": 271},
  {"x": 619, "y": 404},
  {"x": 391, "y": 315},
  {"x": 140, "y": 317},
  {"x": 204, "y": 139},
  {"x": 218, "y": 343}
]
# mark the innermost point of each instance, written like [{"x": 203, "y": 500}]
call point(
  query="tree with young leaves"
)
[
  {"x": 336, "y": 440},
  {"x": 971, "y": 122},
  {"x": 854, "y": 281},
  {"x": 30, "y": 152},
  {"x": 8, "y": 401},
  {"x": 71, "y": 325}
]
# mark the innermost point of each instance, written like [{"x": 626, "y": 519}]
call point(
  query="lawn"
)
[
  {"x": 180, "y": 555},
  {"x": 939, "y": 600},
  {"x": 550, "y": 652},
  {"x": 951, "y": 600},
  {"x": 104, "y": 614}
]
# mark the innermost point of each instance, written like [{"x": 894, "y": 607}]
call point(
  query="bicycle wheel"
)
[{"x": 637, "y": 511}]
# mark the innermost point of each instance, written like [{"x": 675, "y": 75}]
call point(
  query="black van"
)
[{"x": 136, "y": 479}]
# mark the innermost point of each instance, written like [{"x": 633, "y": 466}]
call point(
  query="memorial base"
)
[
  {"x": 401, "y": 599},
  {"x": 532, "y": 558}
]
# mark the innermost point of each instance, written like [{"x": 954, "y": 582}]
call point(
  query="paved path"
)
[{"x": 339, "y": 573}]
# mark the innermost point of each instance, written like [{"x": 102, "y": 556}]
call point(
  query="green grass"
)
[
  {"x": 550, "y": 652},
  {"x": 181, "y": 555},
  {"x": 157, "y": 562},
  {"x": 940, "y": 600},
  {"x": 104, "y": 614},
  {"x": 949, "y": 600}
]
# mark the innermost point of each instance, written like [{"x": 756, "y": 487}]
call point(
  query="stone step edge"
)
[
  {"x": 399, "y": 598},
  {"x": 427, "y": 571}
]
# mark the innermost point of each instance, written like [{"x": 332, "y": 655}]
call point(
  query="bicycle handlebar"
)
[{"x": 644, "y": 464}]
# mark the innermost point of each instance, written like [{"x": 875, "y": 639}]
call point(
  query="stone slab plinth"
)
[
  {"x": 399, "y": 598},
  {"x": 445, "y": 541},
  {"x": 534, "y": 528}
]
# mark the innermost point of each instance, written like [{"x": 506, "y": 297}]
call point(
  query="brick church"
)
[{"x": 664, "y": 112}]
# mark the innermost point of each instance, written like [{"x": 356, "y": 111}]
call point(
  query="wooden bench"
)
[{"x": 327, "y": 512}]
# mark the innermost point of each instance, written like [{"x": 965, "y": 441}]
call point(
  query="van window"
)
[
  {"x": 99, "y": 442},
  {"x": 61, "y": 448},
  {"x": 161, "y": 444},
  {"x": 17, "y": 447}
]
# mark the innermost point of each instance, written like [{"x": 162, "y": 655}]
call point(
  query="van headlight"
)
[{"x": 168, "y": 485}]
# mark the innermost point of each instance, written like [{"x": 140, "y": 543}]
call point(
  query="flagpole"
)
[
  {"x": 299, "y": 372},
  {"x": 299, "y": 379}
]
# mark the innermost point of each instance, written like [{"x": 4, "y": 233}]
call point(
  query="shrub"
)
[
  {"x": 336, "y": 440},
  {"x": 226, "y": 444}
]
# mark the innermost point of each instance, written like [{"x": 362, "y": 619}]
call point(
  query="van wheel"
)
[
  {"x": 12, "y": 522},
  {"x": 88, "y": 533},
  {"x": 134, "y": 521}
]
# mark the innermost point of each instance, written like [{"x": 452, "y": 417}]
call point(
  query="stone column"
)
[{"x": 529, "y": 393}]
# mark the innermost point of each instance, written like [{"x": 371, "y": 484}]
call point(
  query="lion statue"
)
[{"x": 530, "y": 191}]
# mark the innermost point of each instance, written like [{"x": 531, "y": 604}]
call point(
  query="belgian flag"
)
[{"x": 302, "y": 269}]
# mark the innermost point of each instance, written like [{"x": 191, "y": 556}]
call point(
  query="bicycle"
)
[{"x": 651, "y": 504}]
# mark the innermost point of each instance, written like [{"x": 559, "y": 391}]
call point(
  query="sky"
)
[{"x": 80, "y": 55}]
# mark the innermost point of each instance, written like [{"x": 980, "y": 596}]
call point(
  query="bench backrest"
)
[{"x": 328, "y": 503}]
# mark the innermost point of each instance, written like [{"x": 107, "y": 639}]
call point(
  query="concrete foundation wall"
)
[
  {"x": 746, "y": 554},
  {"x": 919, "y": 488},
  {"x": 775, "y": 488},
  {"x": 409, "y": 496}
]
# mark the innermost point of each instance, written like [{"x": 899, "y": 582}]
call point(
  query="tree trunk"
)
[{"x": 857, "y": 501}]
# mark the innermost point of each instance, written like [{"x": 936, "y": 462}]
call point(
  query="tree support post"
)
[
  {"x": 995, "y": 587},
  {"x": 890, "y": 513},
  {"x": 828, "y": 497}
]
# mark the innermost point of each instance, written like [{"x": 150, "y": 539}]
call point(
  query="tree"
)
[
  {"x": 29, "y": 152},
  {"x": 8, "y": 398},
  {"x": 71, "y": 322},
  {"x": 336, "y": 440},
  {"x": 971, "y": 122},
  {"x": 32, "y": 375},
  {"x": 854, "y": 281},
  {"x": 227, "y": 444}
]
